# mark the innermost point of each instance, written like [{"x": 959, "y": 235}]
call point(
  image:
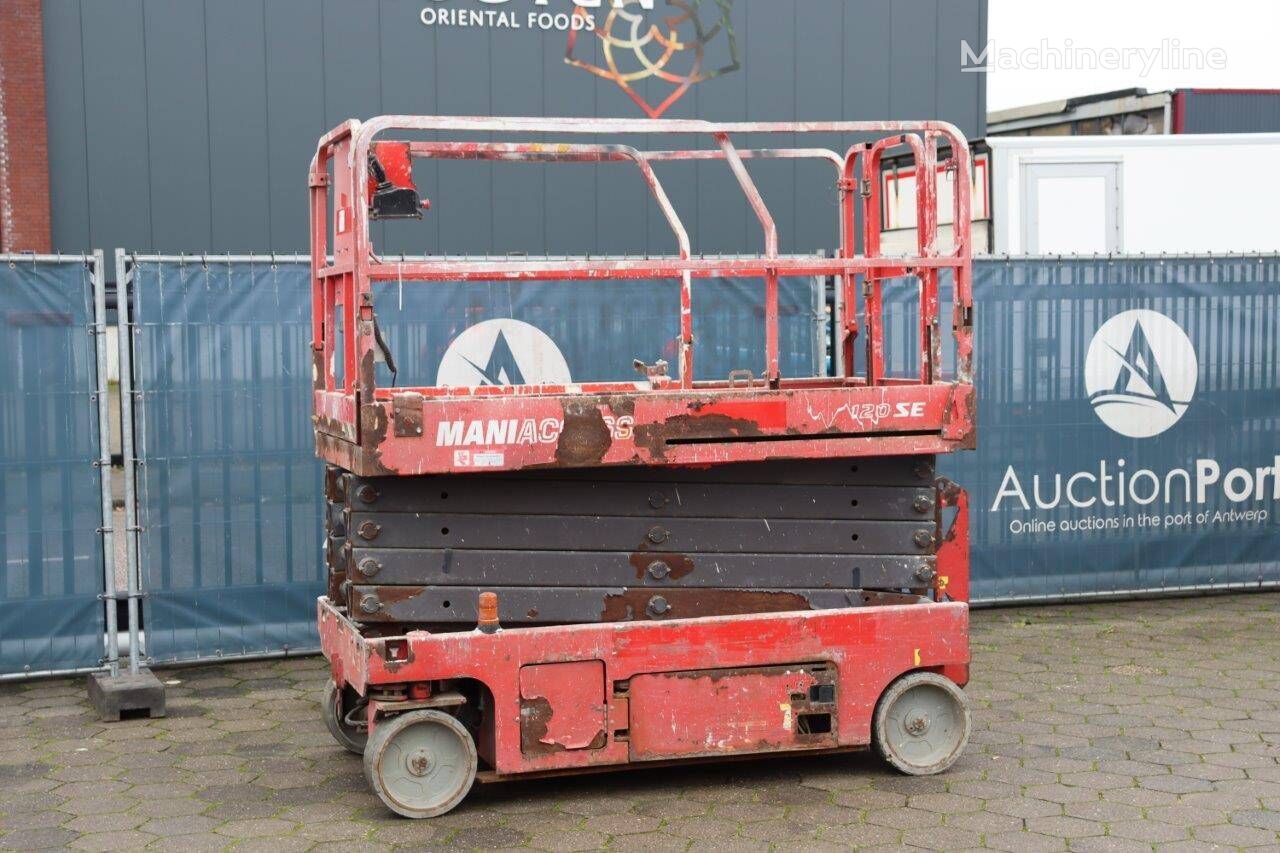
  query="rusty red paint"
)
[
  {"x": 725, "y": 711},
  {"x": 562, "y": 707},
  {"x": 708, "y": 672},
  {"x": 866, "y": 647},
  {"x": 351, "y": 411},
  {"x": 953, "y": 551},
  {"x": 613, "y": 426}
]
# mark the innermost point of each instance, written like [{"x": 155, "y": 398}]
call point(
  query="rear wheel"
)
[
  {"x": 921, "y": 723},
  {"x": 339, "y": 703},
  {"x": 420, "y": 763}
]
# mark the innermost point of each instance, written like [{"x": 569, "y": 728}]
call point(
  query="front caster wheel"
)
[
  {"x": 337, "y": 706},
  {"x": 921, "y": 724},
  {"x": 420, "y": 763}
]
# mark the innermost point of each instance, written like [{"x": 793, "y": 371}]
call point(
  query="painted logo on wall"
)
[
  {"x": 673, "y": 51},
  {"x": 1140, "y": 373},
  {"x": 503, "y": 352}
]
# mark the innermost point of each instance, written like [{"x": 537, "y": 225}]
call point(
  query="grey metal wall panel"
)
[
  {"x": 819, "y": 85},
  {"x": 235, "y": 42},
  {"x": 295, "y": 113},
  {"x": 769, "y": 59},
  {"x": 867, "y": 28},
  {"x": 572, "y": 189},
  {"x": 118, "y": 150},
  {"x": 722, "y": 212},
  {"x": 518, "y": 190},
  {"x": 352, "y": 84},
  {"x": 1231, "y": 112},
  {"x": 959, "y": 20},
  {"x": 177, "y": 125},
  {"x": 913, "y": 36},
  {"x": 68, "y": 155},
  {"x": 187, "y": 126},
  {"x": 464, "y": 66}
]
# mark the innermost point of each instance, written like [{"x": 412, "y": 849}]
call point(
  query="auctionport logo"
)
[
  {"x": 502, "y": 352},
  {"x": 1140, "y": 372}
]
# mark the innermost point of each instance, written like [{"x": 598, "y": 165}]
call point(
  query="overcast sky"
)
[{"x": 1244, "y": 33}]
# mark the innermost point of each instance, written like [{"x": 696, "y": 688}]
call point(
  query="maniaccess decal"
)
[
  {"x": 504, "y": 351},
  {"x": 1140, "y": 377}
]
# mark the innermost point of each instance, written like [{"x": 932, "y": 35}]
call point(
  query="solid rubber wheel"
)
[
  {"x": 336, "y": 705},
  {"x": 921, "y": 723},
  {"x": 420, "y": 763}
]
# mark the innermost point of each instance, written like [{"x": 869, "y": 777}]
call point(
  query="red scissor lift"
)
[{"x": 471, "y": 653}]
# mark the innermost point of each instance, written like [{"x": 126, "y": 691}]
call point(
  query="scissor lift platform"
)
[{"x": 516, "y": 584}]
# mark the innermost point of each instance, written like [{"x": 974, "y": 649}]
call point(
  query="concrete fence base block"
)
[{"x": 112, "y": 697}]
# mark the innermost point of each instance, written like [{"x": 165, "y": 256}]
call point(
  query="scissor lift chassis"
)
[{"x": 474, "y": 631}]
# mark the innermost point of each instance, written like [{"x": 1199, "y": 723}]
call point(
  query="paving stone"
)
[
  {"x": 494, "y": 836},
  {"x": 1261, "y": 819},
  {"x": 114, "y": 822},
  {"x": 569, "y": 840},
  {"x": 165, "y": 827},
  {"x": 204, "y": 841},
  {"x": 1024, "y": 842},
  {"x": 648, "y": 842},
  {"x": 1061, "y": 826},
  {"x": 1108, "y": 844},
  {"x": 33, "y": 820},
  {"x": 1149, "y": 831},
  {"x": 413, "y": 833},
  {"x": 1233, "y": 835},
  {"x": 255, "y": 827},
  {"x": 904, "y": 818},
  {"x": 103, "y": 841},
  {"x": 272, "y": 844},
  {"x": 36, "y": 839},
  {"x": 941, "y": 838}
]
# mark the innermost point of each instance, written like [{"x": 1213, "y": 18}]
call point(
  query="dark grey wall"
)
[
  {"x": 1230, "y": 112},
  {"x": 187, "y": 125}
]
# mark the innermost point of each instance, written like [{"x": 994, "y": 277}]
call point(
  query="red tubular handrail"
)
[{"x": 345, "y": 284}]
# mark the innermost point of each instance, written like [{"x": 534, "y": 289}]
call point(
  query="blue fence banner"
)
[
  {"x": 1128, "y": 417},
  {"x": 1128, "y": 425},
  {"x": 229, "y": 490},
  {"x": 51, "y": 557}
]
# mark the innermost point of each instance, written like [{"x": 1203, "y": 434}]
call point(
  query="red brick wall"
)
[{"x": 24, "y": 154}]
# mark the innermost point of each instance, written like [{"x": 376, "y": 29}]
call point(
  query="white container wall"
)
[{"x": 1212, "y": 193}]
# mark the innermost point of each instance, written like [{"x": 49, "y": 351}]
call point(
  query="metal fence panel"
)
[
  {"x": 51, "y": 556},
  {"x": 1069, "y": 384},
  {"x": 229, "y": 492},
  {"x": 228, "y": 488},
  {"x": 601, "y": 328},
  {"x": 229, "y": 495}
]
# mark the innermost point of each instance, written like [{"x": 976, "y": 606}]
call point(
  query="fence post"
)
[
  {"x": 139, "y": 690},
  {"x": 99, "y": 282}
]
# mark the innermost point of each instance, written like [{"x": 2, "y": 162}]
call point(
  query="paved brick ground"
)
[{"x": 1104, "y": 727}]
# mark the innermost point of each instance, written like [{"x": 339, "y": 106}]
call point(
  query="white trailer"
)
[{"x": 1167, "y": 194}]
